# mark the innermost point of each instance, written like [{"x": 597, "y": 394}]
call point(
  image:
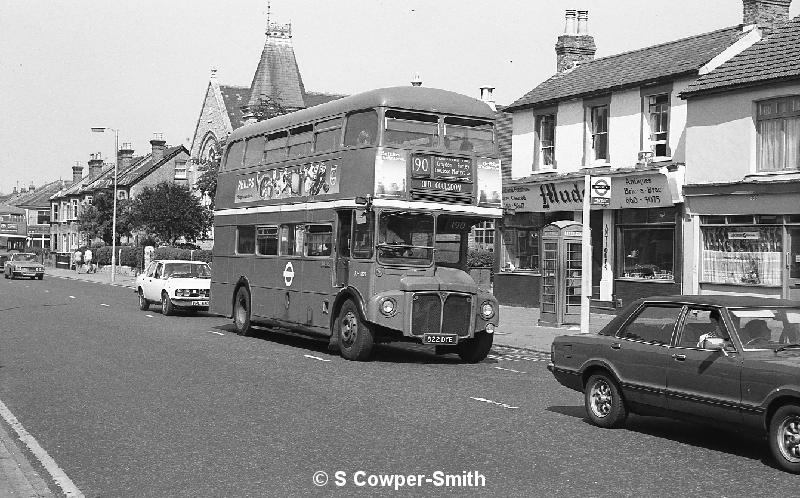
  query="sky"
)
[{"x": 142, "y": 66}]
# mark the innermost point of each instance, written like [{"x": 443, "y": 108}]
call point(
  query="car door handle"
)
[
  {"x": 616, "y": 345},
  {"x": 679, "y": 357}
]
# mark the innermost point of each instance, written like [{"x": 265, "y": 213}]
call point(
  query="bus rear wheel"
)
[
  {"x": 241, "y": 312},
  {"x": 356, "y": 338},
  {"x": 476, "y": 349}
]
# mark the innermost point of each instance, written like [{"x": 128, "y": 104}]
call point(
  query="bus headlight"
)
[
  {"x": 490, "y": 328},
  {"x": 487, "y": 310},
  {"x": 388, "y": 307}
]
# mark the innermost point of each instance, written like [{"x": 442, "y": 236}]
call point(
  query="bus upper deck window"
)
[
  {"x": 233, "y": 160},
  {"x": 468, "y": 135},
  {"x": 362, "y": 129},
  {"x": 327, "y": 135},
  {"x": 411, "y": 129}
]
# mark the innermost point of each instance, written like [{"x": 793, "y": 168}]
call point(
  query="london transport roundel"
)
[{"x": 288, "y": 274}]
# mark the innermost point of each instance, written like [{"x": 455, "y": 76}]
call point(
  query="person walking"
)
[
  {"x": 87, "y": 258},
  {"x": 76, "y": 260}
]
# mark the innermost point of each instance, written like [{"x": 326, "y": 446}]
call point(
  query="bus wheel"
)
[
  {"x": 241, "y": 312},
  {"x": 356, "y": 338},
  {"x": 475, "y": 350}
]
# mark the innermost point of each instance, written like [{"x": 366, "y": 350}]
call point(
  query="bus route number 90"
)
[{"x": 421, "y": 165}]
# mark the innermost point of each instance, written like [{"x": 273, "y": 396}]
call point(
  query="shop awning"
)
[{"x": 763, "y": 195}]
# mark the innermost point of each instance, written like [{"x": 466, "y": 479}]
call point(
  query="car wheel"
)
[
  {"x": 167, "y": 308},
  {"x": 144, "y": 304},
  {"x": 784, "y": 438},
  {"x": 604, "y": 404},
  {"x": 241, "y": 312},
  {"x": 356, "y": 338},
  {"x": 475, "y": 350},
  {"x": 40, "y": 277}
]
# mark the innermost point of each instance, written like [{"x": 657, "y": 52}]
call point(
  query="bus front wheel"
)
[
  {"x": 475, "y": 350},
  {"x": 241, "y": 312},
  {"x": 356, "y": 338}
]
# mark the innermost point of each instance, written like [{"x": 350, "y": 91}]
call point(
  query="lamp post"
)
[{"x": 114, "y": 195}]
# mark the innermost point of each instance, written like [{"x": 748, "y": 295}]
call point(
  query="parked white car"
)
[{"x": 176, "y": 284}]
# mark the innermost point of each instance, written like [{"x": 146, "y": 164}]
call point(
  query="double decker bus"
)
[{"x": 351, "y": 219}]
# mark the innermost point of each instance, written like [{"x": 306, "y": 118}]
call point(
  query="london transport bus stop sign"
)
[{"x": 600, "y": 191}]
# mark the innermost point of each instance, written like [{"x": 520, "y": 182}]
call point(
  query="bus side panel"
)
[
  {"x": 316, "y": 291},
  {"x": 262, "y": 282}
]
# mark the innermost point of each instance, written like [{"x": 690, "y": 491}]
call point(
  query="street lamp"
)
[{"x": 114, "y": 215}]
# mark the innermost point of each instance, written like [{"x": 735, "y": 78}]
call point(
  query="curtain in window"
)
[
  {"x": 792, "y": 143},
  {"x": 770, "y": 133},
  {"x": 742, "y": 261}
]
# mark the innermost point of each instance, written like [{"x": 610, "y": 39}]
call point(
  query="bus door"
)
[
  {"x": 360, "y": 267},
  {"x": 317, "y": 276},
  {"x": 344, "y": 233}
]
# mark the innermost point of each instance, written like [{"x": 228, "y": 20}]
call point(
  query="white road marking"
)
[
  {"x": 510, "y": 370},
  {"x": 215, "y": 332},
  {"x": 149, "y": 316},
  {"x": 106, "y": 305},
  {"x": 496, "y": 403},
  {"x": 72, "y": 297},
  {"x": 50, "y": 465},
  {"x": 315, "y": 357},
  {"x": 46, "y": 290}
]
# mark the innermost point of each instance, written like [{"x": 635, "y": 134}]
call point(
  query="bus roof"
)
[{"x": 415, "y": 98}]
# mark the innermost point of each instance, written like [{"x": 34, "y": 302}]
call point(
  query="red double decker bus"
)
[{"x": 351, "y": 219}]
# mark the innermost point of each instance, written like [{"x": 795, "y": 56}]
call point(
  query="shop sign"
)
[
  {"x": 38, "y": 230},
  {"x": 635, "y": 191},
  {"x": 743, "y": 235},
  {"x": 601, "y": 191},
  {"x": 8, "y": 228}
]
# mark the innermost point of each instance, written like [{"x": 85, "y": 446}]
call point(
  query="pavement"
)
[{"x": 518, "y": 329}]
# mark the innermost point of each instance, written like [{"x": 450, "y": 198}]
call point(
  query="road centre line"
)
[
  {"x": 315, "y": 357},
  {"x": 215, "y": 332},
  {"x": 149, "y": 316},
  {"x": 72, "y": 297},
  {"x": 496, "y": 403},
  {"x": 50, "y": 465},
  {"x": 510, "y": 370},
  {"x": 106, "y": 305}
]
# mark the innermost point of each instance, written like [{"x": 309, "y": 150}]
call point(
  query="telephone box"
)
[{"x": 560, "y": 297}]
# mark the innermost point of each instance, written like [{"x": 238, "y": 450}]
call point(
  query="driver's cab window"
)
[
  {"x": 700, "y": 324},
  {"x": 363, "y": 230},
  {"x": 654, "y": 324}
]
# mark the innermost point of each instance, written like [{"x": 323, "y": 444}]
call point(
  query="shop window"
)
[
  {"x": 742, "y": 255},
  {"x": 245, "y": 239},
  {"x": 267, "y": 241},
  {"x": 778, "y": 129},
  {"x": 520, "y": 249},
  {"x": 483, "y": 234},
  {"x": 648, "y": 252}
]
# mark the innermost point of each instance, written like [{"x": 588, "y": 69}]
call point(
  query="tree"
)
[
  {"x": 169, "y": 211},
  {"x": 96, "y": 219},
  {"x": 267, "y": 107}
]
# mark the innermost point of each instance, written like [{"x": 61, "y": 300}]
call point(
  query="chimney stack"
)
[
  {"x": 416, "y": 80},
  {"x": 15, "y": 191},
  {"x": 158, "y": 145},
  {"x": 31, "y": 187},
  {"x": 77, "y": 173},
  {"x": 765, "y": 13},
  {"x": 124, "y": 156},
  {"x": 575, "y": 45},
  {"x": 486, "y": 96},
  {"x": 95, "y": 165}
]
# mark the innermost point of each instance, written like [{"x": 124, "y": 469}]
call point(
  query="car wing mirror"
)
[{"x": 715, "y": 343}]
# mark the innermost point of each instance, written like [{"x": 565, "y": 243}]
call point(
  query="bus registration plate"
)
[{"x": 439, "y": 339}]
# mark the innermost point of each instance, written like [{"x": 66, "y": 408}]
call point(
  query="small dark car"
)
[
  {"x": 23, "y": 264},
  {"x": 726, "y": 360}
]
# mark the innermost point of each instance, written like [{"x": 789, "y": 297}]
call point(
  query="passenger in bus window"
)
[{"x": 364, "y": 138}]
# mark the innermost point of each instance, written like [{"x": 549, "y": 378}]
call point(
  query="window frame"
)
[
  {"x": 781, "y": 116},
  {"x": 239, "y": 250},
  {"x": 590, "y": 151},
  {"x": 620, "y": 334},
  {"x": 307, "y": 240},
  {"x": 259, "y": 237},
  {"x": 539, "y": 120}
]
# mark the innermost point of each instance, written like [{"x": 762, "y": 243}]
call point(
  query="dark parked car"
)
[
  {"x": 23, "y": 264},
  {"x": 726, "y": 360}
]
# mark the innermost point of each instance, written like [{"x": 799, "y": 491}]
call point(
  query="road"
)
[{"x": 132, "y": 403}]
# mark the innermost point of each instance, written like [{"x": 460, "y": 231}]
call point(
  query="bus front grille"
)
[
  {"x": 426, "y": 314},
  {"x": 457, "y": 310}
]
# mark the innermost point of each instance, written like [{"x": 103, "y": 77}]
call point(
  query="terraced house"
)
[
  {"x": 621, "y": 117},
  {"x": 162, "y": 163}
]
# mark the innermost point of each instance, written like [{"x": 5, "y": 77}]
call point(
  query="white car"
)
[{"x": 176, "y": 284}]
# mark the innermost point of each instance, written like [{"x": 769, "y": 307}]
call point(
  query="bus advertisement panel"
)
[{"x": 352, "y": 219}]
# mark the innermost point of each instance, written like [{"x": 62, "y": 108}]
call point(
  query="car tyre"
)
[
  {"x": 241, "y": 312},
  {"x": 40, "y": 277},
  {"x": 475, "y": 350},
  {"x": 167, "y": 308},
  {"x": 604, "y": 404},
  {"x": 356, "y": 337},
  {"x": 784, "y": 438},
  {"x": 144, "y": 304}
]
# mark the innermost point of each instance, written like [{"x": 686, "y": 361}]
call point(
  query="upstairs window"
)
[
  {"x": 233, "y": 160},
  {"x": 180, "y": 170},
  {"x": 468, "y": 135},
  {"x": 778, "y": 128},
  {"x": 300, "y": 141},
  {"x": 43, "y": 216},
  {"x": 411, "y": 129},
  {"x": 362, "y": 129},
  {"x": 254, "y": 153},
  {"x": 544, "y": 155},
  {"x": 326, "y": 135},
  {"x": 599, "y": 130},
  {"x": 658, "y": 124},
  {"x": 276, "y": 147}
]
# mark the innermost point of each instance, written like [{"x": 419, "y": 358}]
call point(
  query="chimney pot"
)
[
  {"x": 416, "y": 80},
  {"x": 77, "y": 172},
  {"x": 569, "y": 22},
  {"x": 158, "y": 144},
  {"x": 583, "y": 22},
  {"x": 486, "y": 96}
]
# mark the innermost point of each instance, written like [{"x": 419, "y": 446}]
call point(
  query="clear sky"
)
[{"x": 142, "y": 66}]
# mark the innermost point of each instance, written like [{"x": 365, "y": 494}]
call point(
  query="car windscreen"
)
[
  {"x": 187, "y": 270},
  {"x": 766, "y": 327},
  {"x": 23, "y": 257}
]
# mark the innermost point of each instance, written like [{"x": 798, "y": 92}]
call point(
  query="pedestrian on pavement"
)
[
  {"x": 76, "y": 259},
  {"x": 87, "y": 258}
]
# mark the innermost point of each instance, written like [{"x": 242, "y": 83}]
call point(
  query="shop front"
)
[
  {"x": 747, "y": 238},
  {"x": 635, "y": 238}
]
